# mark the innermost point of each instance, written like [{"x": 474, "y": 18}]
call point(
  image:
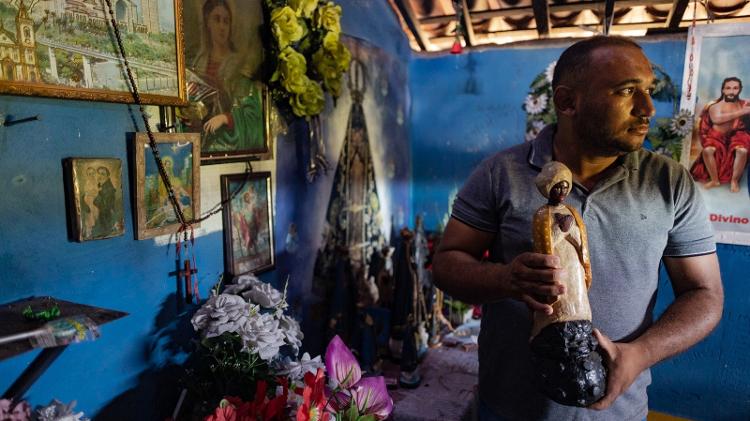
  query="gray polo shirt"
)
[{"x": 645, "y": 208}]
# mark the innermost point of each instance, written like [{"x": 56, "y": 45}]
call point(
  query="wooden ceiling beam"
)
[
  {"x": 609, "y": 15},
  {"x": 471, "y": 39},
  {"x": 413, "y": 23},
  {"x": 554, "y": 8},
  {"x": 676, "y": 13},
  {"x": 541, "y": 16}
]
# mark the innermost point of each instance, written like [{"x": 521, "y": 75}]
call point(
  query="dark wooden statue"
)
[{"x": 569, "y": 369}]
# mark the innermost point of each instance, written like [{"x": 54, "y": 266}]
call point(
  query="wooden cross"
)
[{"x": 184, "y": 272}]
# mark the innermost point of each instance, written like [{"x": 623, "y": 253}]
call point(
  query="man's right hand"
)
[{"x": 532, "y": 277}]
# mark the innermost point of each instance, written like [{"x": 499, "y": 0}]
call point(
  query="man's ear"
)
[{"x": 564, "y": 98}]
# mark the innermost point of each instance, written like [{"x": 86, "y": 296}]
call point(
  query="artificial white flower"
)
[
  {"x": 222, "y": 313},
  {"x": 535, "y": 104},
  {"x": 241, "y": 284},
  {"x": 58, "y": 411},
  {"x": 537, "y": 125},
  {"x": 682, "y": 123},
  {"x": 550, "y": 71},
  {"x": 531, "y": 135},
  {"x": 295, "y": 370},
  {"x": 265, "y": 295},
  {"x": 262, "y": 335},
  {"x": 292, "y": 331}
]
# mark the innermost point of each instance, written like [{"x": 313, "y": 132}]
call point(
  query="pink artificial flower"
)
[
  {"x": 21, "y": 411},
  {"x": 341, "y": 365},
  {"x": 372, "y": 398}
]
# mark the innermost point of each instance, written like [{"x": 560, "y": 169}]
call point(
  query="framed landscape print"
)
[
  {"x": 67, "y": 49},
  {"x": 248, "y": 223},
  {"x": 180, "y": 154},
  {"x": 228, "y": 105},
  {"x": 94, "y": 192}
]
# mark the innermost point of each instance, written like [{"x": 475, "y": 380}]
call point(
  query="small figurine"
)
[{"x": 569, "y": 369}]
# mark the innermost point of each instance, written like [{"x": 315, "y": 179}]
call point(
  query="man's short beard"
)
[{"x": 731, "y": 98}]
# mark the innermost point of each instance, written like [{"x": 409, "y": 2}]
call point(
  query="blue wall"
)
[
  {"x": 468, "y": 107},
  {"x": 128, "y": 373}
]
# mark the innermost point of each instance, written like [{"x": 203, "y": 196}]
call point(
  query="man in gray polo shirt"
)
[{"x": 639, "y": 209}]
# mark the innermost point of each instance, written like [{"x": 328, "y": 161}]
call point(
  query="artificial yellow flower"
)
[
  {"x": 310, "y": 102},
  {"x": 331, "y": 41},
  {"x": 293, "y": 71},
  {"x": 286, "y": 29},
  {"x": 304, "y": 8},
  {"x": 329, "y": 17}
]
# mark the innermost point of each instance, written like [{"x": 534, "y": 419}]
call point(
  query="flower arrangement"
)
[
  {"x": 345, "y": 396},
  {"x": 307, "y": 57},
  {"x": 243, "y": 332},
  {"x": 55, "y": 411},
  {"x": 538, "y": 103}
]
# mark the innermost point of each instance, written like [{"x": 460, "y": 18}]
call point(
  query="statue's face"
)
[{"x": 559, "y": 191}]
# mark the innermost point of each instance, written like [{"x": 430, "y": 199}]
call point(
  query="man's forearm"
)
[
  {"x": 465, "y": 278},
  {"x": 689, "y": 319}
]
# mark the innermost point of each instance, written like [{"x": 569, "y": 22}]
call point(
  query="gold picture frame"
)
[
  {"x": 228, "y": 103},
  {"x": 180, "y": 154},
  {"x": 72, "y": 54},
  {"x": 94, "y": 198}
]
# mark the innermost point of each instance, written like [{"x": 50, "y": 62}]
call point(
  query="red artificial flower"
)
[{"x": 314, "y": 399}]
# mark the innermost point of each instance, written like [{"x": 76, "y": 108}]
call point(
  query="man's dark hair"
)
[
  {"x": 730, "y": 79},
  {"x": 573, "y": 61}
]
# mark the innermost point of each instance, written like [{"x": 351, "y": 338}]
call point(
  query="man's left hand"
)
[{"x": 625, "y": 362}]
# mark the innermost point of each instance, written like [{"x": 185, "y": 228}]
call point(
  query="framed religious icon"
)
[
  {"x": 57, "y": 49},
  {"x": 714, "y": 103},
  {"x": 180, "y": 155},
  {"x": 228, "y": 105},
  {"x": 94, "y": 198},
  {"x": 248, "y": 223}
]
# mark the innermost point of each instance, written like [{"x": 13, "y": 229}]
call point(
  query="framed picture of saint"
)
[
  {"x": 716, "y": 151},
  {"x": 228, "y": 105},
  {"x": 180, "y": 155},
  {"x": 94, "y": 195},
  {"x": 248, "y": 223}
]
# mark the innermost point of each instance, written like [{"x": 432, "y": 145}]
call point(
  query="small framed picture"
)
[
  {"x": 180, "y": 154},
  {"x": 248, "y": 223},
  {"x": 94, "y": 193}
]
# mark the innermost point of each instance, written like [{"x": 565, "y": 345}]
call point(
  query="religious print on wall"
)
[
  {"x": 180, "y": 156},
  {"x": 65, "y": 49},
  {"x": 94, "y": 193},
  {"x": 248, "y": 223},
  {"x": 716, "y": 150},
  {"x": 228, "y": 105},
  {"x": 352, "y": 232}
]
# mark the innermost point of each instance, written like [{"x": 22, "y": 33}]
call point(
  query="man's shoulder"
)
[
  {"x": 654, "y": 164},
  {"x": 512, "y": 154}
]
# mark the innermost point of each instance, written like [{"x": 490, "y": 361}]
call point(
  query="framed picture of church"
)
[
  {"x": 717, "y": 109},
  {"x": 68, "y": 49},
  {"x": 94, "y": 198},
  {"x": 248, "y": 223},
  {"x": 228, "y": 103},
  {"x": 180, "y": 156}
]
